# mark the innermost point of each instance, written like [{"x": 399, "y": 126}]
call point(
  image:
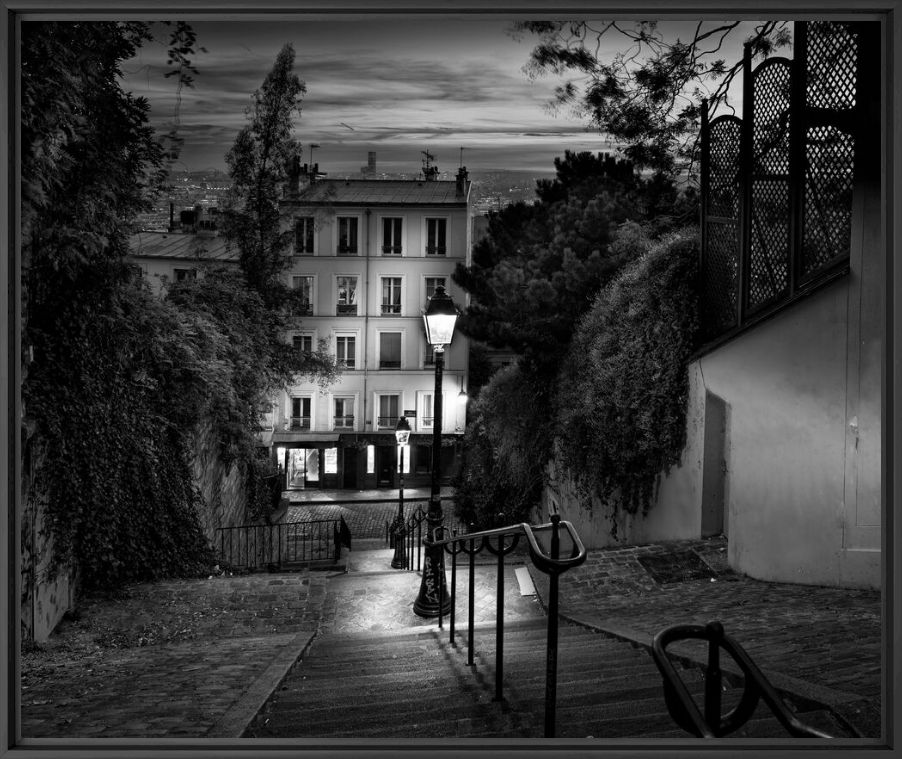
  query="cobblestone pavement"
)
[
  {"x": 198, "y": 657},
  {"x": 365, "y": 512},
  {"x": 820, "y": 642}
]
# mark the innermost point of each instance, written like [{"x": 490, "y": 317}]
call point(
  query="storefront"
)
[{"x": 359, "y": 461}]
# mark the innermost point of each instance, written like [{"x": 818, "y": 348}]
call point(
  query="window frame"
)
[
  {"x": 344, "y": 398},
  {"x": 426, "y": 242},
  {"x": 345, "y": 335},
  {"x": 289, "y": 415},
  {"x": 391, "y": 422},
  {"x": 310, "y": 234},
  {"x": 339, "y": 304},
  {"x": 311, "y": 304},
  {"x": 400, "y": 290},
  {"x": 400, "y": 243},
  {"x": 401, "y": 341},
  {"x": 339, "y": 218}
]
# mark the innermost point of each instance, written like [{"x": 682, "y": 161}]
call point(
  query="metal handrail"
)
[
  {"x": 269, "y": 546},
  {"x": 549, "y": 563},
  {"x": 682, "y": 706}
]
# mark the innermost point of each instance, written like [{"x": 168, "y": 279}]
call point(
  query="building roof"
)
[
  {"x": 389, "y": 192},
  {"x": 178, "y": 245}
]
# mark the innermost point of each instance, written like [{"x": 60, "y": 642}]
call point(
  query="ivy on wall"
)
[
  {"x": 506, "y": 445},
  {"x": 623, "y": 390}
]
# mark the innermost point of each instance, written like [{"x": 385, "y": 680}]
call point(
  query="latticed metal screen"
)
[
  {"x": 832, "y": 55},
  {"x": 769, "y": 240},
  {"x": 777, "y": 187},
  {"x": 720, "y": 285}
]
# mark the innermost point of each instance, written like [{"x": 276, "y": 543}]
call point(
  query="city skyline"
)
[{"x": 395, "y": 86}]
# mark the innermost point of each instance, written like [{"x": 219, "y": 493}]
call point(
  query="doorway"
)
[
  {"x": 714, "y": 467},
  {"x": 386, "y": 464},
  {"x": 302, "y": 468}
]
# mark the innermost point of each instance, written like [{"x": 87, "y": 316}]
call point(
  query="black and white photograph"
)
[{"x": 449, "y": 378}]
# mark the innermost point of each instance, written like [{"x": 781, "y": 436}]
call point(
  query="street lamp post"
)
[
  {"x": 402, "y": 435},
  {"x": 439, "y": 320}
]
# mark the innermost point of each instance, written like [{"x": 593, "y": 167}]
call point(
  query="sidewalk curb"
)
[{"x": 242, "y": 713}]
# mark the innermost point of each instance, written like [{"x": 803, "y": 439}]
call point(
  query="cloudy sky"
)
[{"x": 389, "y": 85}]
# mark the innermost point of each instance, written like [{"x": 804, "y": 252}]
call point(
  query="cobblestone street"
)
[{"x": 199, "y": 657}]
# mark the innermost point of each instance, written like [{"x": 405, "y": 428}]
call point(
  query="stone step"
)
[{"x": 416, "y": 684}]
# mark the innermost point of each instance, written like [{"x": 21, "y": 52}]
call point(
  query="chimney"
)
[
  {"x": 172, "y": 217},
  {"x": 462, "y": 177},
  {"x": 294, "y": 176}
]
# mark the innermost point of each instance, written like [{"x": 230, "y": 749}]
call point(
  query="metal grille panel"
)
[
  {"x": 769, "y": 251},
  {"x": 770, "y": 132},
  {"x": 827, "y": 220},
  {"x": 723, "y": 170},
  {"x": 831, "y": 65},
  {"x": 720, "y": 279}
]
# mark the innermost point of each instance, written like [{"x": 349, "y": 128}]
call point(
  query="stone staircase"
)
[{"x": 413, "y": 683}]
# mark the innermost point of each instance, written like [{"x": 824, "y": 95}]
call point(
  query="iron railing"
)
[
  {"x": 713, "y": 724},
  {"x": 275, "y": 546},
  {"x": 544, "y": 544}
]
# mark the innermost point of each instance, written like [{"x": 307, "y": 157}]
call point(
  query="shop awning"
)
[{"x": 286, "y": 436}]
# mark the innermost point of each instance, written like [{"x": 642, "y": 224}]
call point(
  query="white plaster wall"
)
[{"x": 677, "y": 512}]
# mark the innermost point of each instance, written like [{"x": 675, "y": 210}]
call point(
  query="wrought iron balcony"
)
[
  {"x": 391, "y": 250},
  {"x": 344, "y": 422},
  {"x": 435, "y": 250},
  {"x": 391, "y": 308},
  {"x": 298, "y": 423},
  {"x": 386, "y": 422},
  {"x": 346, "y": 309}
]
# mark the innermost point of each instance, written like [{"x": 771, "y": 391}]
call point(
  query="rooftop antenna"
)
[
  {"x": 461, "y": 157},
  {"x": 312, "y": 146},
  {"x": 429, "y": 171}
]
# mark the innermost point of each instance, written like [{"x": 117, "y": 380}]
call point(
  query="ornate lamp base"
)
[{"x": 432, "y": 585}]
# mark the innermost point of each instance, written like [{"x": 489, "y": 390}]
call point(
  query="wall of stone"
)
[{"x": 223, "y": 487}]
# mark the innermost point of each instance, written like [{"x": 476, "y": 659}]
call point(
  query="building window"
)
[
  {"x": 436, "y": 237},
  {"x": 388, "y": 411},
  {"x": 185, "y": 275},
  {"x": 391, "y": 237},
  {"x": 347, "y": 235},
  {"x": 346, "y": 350},
  {"x": 303, "y": 235},
  {"x": 426, "y": 410},
  {"x": 303, "y": 343},
  {"x": 432, "y": 283},
  {"x": 389, "y": 350},
  {"x": 300, "y": 413},
  {"x": 429, "y": 356},
  {"x": 391, "y": 295},
  {"x": 343, "y": 418},
  {"x": 304, "y": 285},
  {"x": 347, "y": 296}
]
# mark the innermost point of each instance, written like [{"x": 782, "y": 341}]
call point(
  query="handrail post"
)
[
  {"x": 499, "y": 622},
  {"x": 471, "y": 604},
  {"x": 441, "y": 582},
  {"x": 713, "y": 677},
  {"x": 453, "y": 592},
  {"x": 551, "y": 645}
]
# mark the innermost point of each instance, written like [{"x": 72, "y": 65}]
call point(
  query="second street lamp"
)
[
  {"x": 402, "y": 435},
  {"x": 439, "y": 320}
]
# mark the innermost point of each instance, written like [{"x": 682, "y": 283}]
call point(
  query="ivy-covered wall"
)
[{"x": 223, "y": 488}]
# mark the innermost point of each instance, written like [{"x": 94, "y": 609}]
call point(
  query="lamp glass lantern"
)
[
  {"x": 439, "y": 319},
  {"x": 402, "y": 431}
]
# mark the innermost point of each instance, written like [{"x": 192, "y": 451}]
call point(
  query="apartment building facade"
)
[{"x": 367, "y": 255}]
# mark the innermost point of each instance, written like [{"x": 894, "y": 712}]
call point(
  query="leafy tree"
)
[
  {"x": 647, "y": 96},
  {"x": 259, "y": 163},
  {"x": 620, "y": 404},
  {"x": 506, "y": 447},
  {"x": 539, "y": 266}
]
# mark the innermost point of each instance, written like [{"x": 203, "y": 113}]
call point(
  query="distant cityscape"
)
[{"x": 492, "y": 191}]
